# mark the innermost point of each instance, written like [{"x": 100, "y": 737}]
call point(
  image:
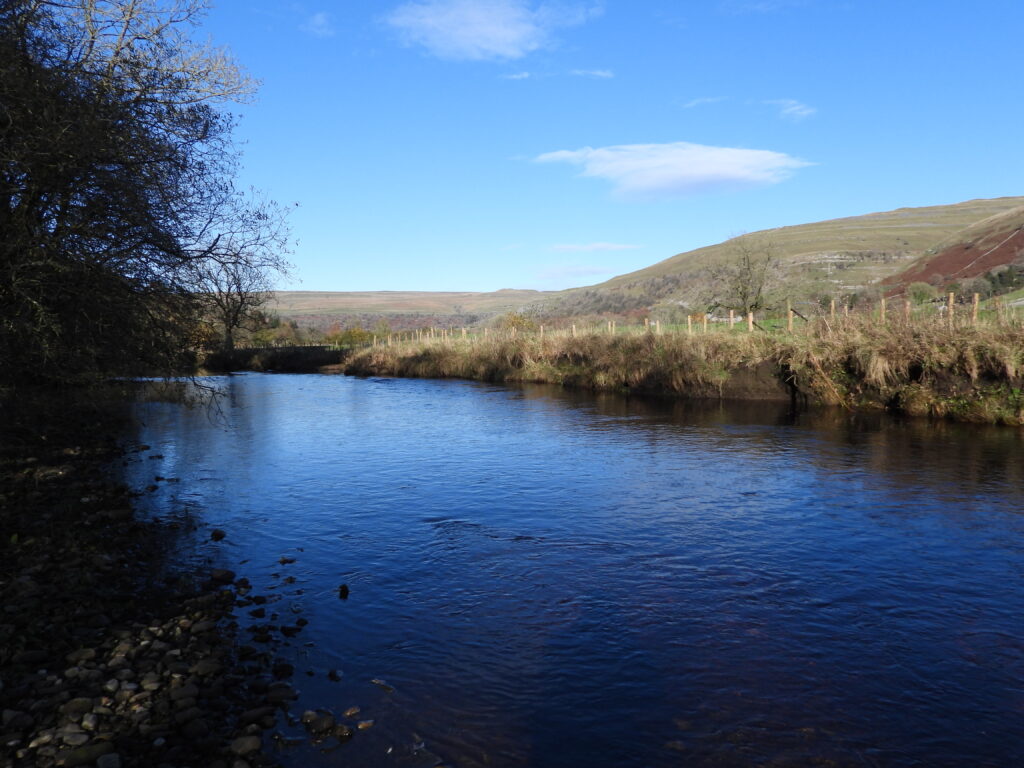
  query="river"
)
[{"x": 541, "y": 577}]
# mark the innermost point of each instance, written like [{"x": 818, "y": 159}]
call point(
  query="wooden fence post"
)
[
  {"x": 657, "y": 327},
  {"x": 881, "y": 311},
  {"x": 974, "y": 309},
  {"x": 949, "y": 309},
  {"x": 750, "y": 322},
  {"x": 732, "y": 318},
  {"x": 906, "y": 310},
  {"x": 832, "y": 309},
  {"x": 574, "y": 330},
  {"x": 689, "y": 324},
  {"x": 789, "y": 316},
  {"x": 705, "y": 322}
]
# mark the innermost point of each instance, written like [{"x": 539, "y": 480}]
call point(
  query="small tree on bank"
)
[
  {"x": 236, "y": 277},
  {"x": 748, "y": 281}
]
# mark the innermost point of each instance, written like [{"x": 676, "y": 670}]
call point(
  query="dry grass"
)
[{"x": 916, "y": 367}]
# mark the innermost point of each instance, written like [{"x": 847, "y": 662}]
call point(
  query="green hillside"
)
[
  {"x": 827, "y": 259},
  {"x": 305, "y": 303},
  {"x": 834, "y": 258}
]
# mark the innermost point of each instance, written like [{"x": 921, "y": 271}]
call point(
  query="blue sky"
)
[{"x": 486, "y": 144}]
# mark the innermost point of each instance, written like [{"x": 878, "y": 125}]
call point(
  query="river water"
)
[{"x": 554, "y": 578}]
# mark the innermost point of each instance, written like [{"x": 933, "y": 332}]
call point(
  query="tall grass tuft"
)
[{"x": 914, "y": 367}]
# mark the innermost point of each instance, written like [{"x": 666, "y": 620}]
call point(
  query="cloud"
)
[
  {"x": 761, "y": 6},
  {"x": 701, "y": 101},
  {"x": 679, "y": 168},
  {"x": 516, "y": 76},
  {"x": 318, "y": 25},
  {"x": 603, "y": 74},
  {"x": 563, "y": 272},
  {"x": 791, "y": 109},
  {"x": 479, "y": 30},
  {"x": 586, "y": 247}
]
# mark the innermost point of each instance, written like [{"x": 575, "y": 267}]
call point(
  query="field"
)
[{"x": 290, "y": 303}]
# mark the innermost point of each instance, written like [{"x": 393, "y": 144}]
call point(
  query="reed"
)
[{"x": 917, "y": 367}]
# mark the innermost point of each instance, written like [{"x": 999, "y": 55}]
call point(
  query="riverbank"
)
[
  {"x": 917, "y": 368},
  {"x": 273, "y": 359},
  {"x": 110, "y": 654}
]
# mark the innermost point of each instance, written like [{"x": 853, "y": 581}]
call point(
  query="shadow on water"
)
[{"x": 549, "y": 577}]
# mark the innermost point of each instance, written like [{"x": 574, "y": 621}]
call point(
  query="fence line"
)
[{"x": 953, "y": 314}]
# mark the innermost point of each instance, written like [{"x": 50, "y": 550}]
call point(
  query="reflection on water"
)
[{"x": 555, "y": 578}]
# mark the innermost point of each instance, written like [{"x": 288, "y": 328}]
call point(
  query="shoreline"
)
[
  {"x": 973, "y": 375},
  {"x": 110, "y": 654}
]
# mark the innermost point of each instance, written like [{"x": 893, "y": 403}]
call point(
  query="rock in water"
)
[{"x": 343, "y": 592}]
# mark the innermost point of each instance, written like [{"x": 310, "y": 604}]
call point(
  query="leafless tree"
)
[
  {"x": 236, "y": 275},
  {"x": 748, "y": 281}
]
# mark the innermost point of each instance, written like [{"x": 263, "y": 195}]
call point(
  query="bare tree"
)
[
  {"x": 748, "y": 281},
  {"x": 240, "y": 265}
]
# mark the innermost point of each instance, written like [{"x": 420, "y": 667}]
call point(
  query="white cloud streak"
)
[
  {"x": 590, "y": 247},
  {"x": 564, "y": 272},
  {"x": 702, "y": 101},
  {"x": 480, "y": 30},
  {"x": 791, "y": 109},
  {"x": 318, "y": 25},
  {"x": 516, "y": 76},
  {"x": 647, "y": 171},
  {"x": 601, "y": 74}
]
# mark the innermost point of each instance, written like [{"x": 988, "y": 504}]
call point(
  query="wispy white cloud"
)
[
  {"x": 318, "y": 25},
  {"x": 702, "y": 101},
  {"x": 679, "y": 168},
  {"x": 572, "y": 272},
  {"x": 477, "y": 30},
  {"x": 589, "y": 247},
  {"x": 602, "y": 74},
  {"x": 516, "y": 76},
  {"x": 791, "y": 109},
  {"x": 761, "y": 6}
]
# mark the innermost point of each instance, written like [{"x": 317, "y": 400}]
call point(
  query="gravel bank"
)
[{"x": 109, "y": 656}]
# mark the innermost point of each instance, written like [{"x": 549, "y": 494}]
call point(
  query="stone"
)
[
  {"x": 246, "y": 745},
  {"x": 111, "y": 760},
  {"x": 203, "y": 626},
  {"x": 77, "y": 707},
  {"x": 90, "y": 721},
  {"x": 222, "y": 575},
  {"x": 281, "y": 692},
  {"x": 84, "y": 755},
  {"x": 30, "y": 657},
  {"x": 256, "y": 715},
  {"x": 195, "y": 729},
  {"x": 184, "y": 692},
  {"x": 217, "y": 534}
]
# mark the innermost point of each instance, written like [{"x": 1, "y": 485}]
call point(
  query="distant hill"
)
[
  {"x": 994, "y": 242},
  {"x": 835, "y": 258},
  {"x": 829, "y": 258},
  {"x": 401, "y": 309}
]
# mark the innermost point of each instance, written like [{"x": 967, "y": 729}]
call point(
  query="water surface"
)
[{"x": 554, "y": 578}]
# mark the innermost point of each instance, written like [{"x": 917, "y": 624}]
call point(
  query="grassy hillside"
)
[
  {"x": 827, "y": 259},
  {"x": 399, "y": 302},
  {"x": 832, "y": 258},
  {"x": 989, "y": 244}
]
